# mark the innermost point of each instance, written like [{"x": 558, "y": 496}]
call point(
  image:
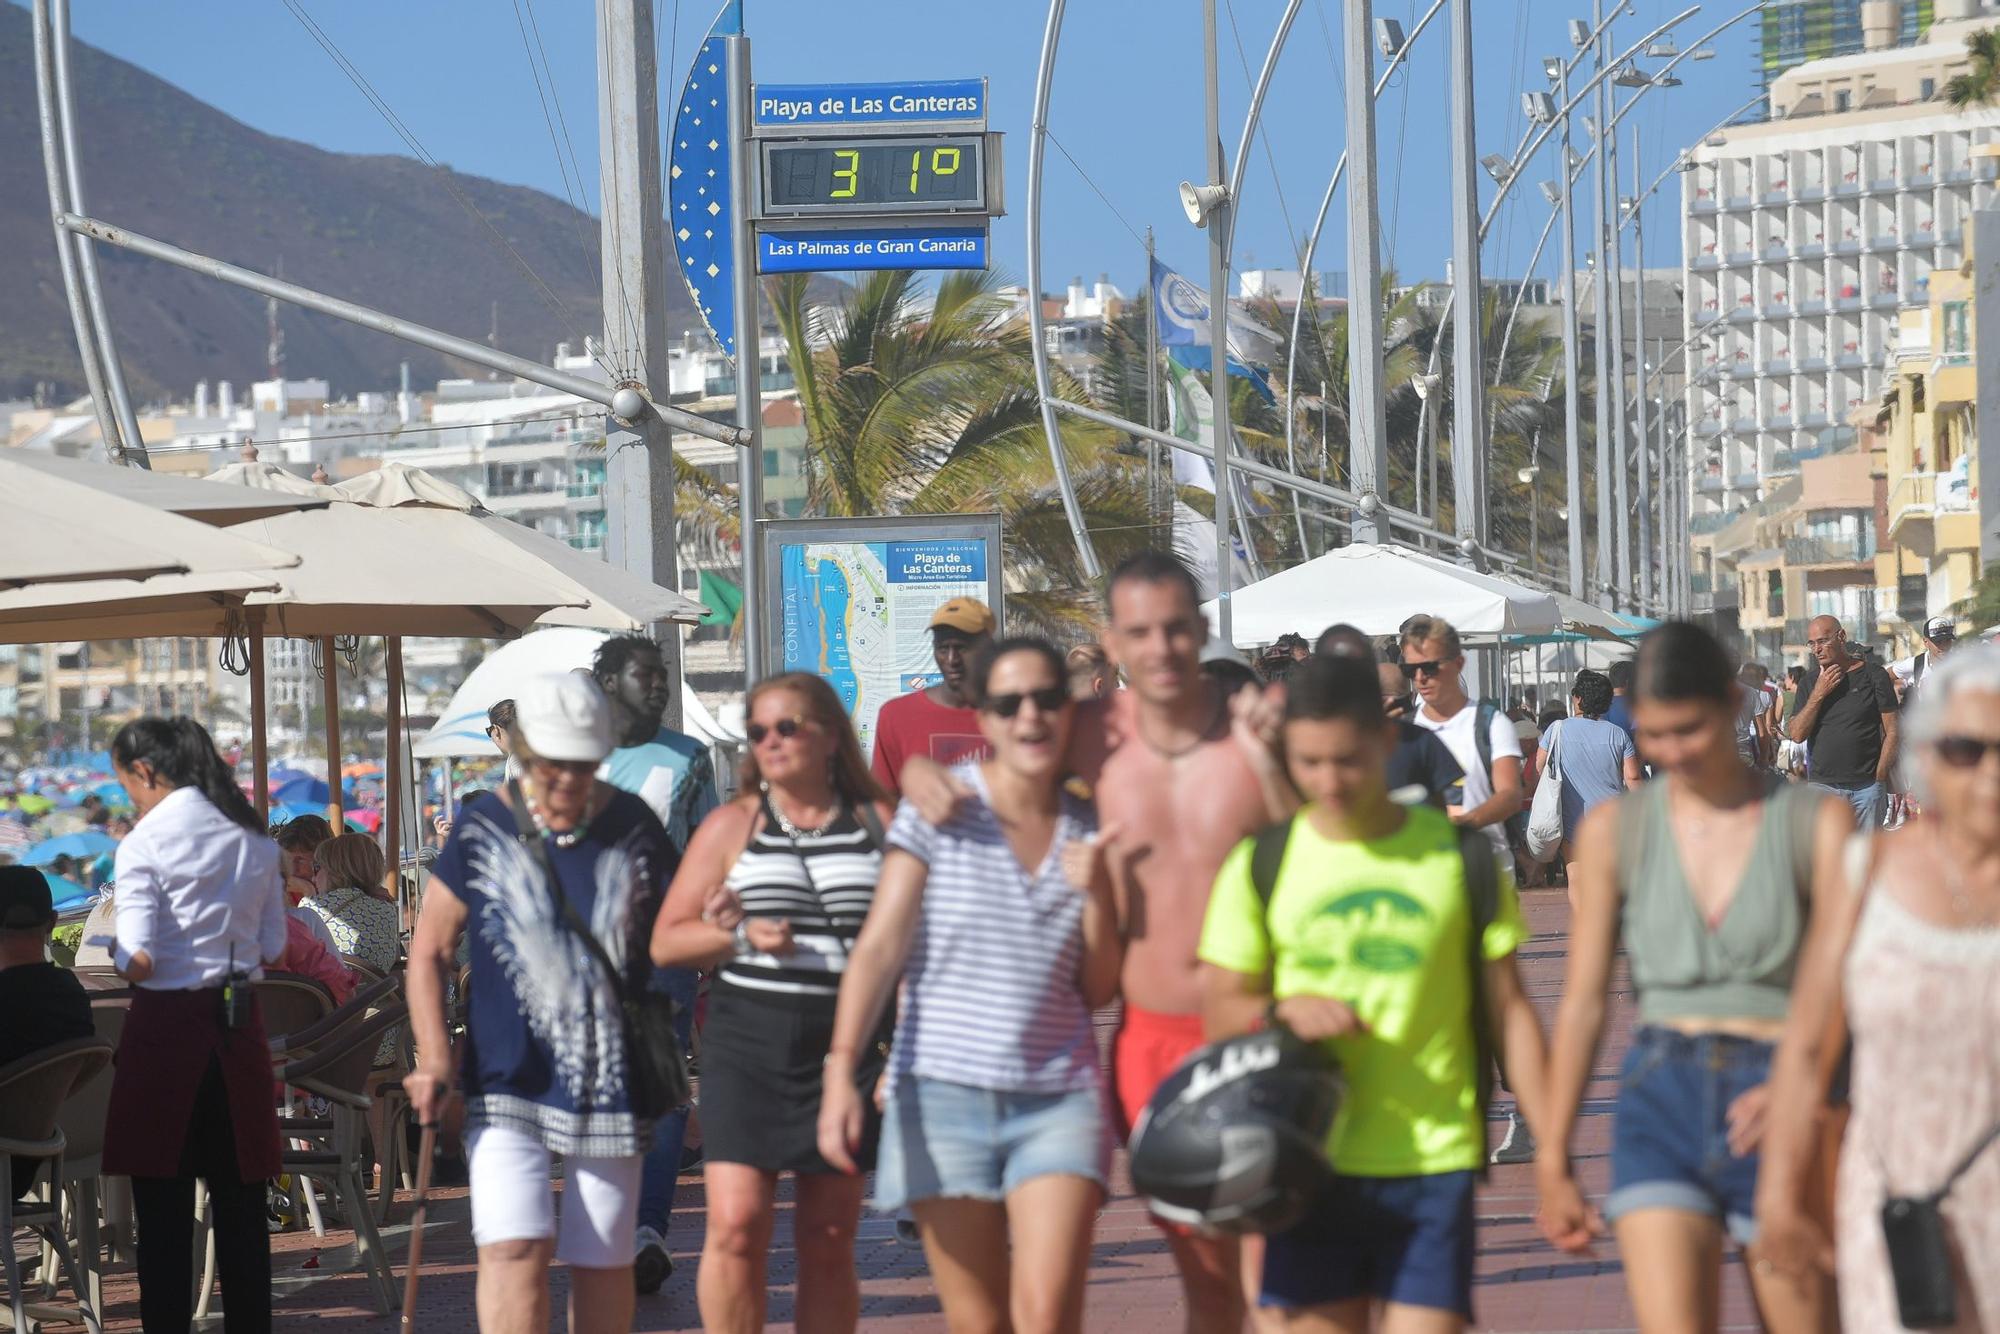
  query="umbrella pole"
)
[
  {"x": 260, "y": 744},
  {"x": 392, "y": 652},
  {"x": 336, "y": 815}
]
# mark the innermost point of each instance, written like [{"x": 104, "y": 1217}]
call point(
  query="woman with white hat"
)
[{"x": 543, "y": 1067}]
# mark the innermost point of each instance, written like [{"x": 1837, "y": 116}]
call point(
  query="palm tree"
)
[
  {"x": 1979, "y": 86},
  {"x": 915, "y": 407}
]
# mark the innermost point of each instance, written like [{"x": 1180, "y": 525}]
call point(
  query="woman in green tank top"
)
[{"x": 1705, "y": 876}]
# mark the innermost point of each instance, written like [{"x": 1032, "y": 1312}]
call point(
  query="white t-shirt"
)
[{"x": 1457, "y": 734}]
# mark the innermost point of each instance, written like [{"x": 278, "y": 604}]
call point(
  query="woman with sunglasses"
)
[
  {"x": 1707, "y": 876},
  {"x": 1907, "y": 952},
  {"x": 771, "y": 895},
  {"x": 1001, "y": 928}
]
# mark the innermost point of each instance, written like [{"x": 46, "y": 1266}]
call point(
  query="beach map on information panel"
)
[{"x": 858, "y": 614}]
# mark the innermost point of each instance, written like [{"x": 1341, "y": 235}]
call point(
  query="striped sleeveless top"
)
[{"x": 822, "y": 884}]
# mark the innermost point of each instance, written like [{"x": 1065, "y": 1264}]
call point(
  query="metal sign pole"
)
[
  {"x": 639, "y": 458},
  {"x": 749, "y": 367}
]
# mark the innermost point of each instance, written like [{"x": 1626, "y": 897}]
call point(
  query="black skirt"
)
[{"x": 761, "y": 1057}]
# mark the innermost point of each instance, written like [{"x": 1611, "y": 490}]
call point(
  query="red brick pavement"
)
[{"x": 1522, "y": 1284}]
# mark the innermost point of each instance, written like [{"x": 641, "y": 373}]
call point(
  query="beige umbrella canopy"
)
[
  {"x": 62, "y": 530},
  {"x": 197, "y": 498},
  {"x": 602, "y": 596}
]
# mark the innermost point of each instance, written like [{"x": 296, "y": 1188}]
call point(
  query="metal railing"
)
[{"x": 1829, "y": 550}]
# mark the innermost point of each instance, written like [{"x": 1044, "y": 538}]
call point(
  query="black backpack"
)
[{"x": 1482, "y": 892}]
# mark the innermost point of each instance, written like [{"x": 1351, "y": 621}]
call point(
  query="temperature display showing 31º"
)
[{"x": 937, "y": 173}]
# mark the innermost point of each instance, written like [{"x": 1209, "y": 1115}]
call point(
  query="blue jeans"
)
[
  {"x": 1870, "y": 803},
  {"x": 662, "y": 1169}
]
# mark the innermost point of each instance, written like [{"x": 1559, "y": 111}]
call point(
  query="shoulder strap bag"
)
[
  {"x": 1545, "y": 813},
  {"x": 655, "y": 1066}
]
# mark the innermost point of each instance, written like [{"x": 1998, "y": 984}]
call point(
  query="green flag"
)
[{"x": 724, "y": 599}]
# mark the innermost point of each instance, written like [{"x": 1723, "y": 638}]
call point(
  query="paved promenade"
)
[{"x": 1523, "y": 1285}]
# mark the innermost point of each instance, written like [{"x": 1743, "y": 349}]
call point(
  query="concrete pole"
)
[
  {"x": 1621, "y": 451},
  {"x": 1367, "y": 423},
  {"x": 749, "y": 363},
  {"x": 1218, "y": 325},
  {"x": 1572, "y": 407},
  {"x": 639, "y": 460},
  {"x": 1644, "y": 590},
  {"x": 1468, "y": 359},
  {"x": 1600, "y": 334}
]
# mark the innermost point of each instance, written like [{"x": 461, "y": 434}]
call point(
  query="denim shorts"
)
[
  {"x": 953, "y": 1141},
  {"x": 1395, "y": 1239},
  {"x": 1670, "y": 1142}
]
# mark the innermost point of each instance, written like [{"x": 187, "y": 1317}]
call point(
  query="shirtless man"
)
[{"x": 1186, "y": 777}]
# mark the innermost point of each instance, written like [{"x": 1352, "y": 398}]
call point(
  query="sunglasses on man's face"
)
[
  {"x": 1964, "y": 752},
  {"x": 1047, "y": 700},
  {"x": 1412, "y": 670},
  {"x": 786, "y": 728}
]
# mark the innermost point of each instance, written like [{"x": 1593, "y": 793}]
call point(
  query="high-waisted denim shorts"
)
[
  {"x": 1670, "y": 1143},
  {"x": 953, "y": 1141}
]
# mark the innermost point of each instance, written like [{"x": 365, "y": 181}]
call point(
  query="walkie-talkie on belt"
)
[{"x": 235, "y": 995}]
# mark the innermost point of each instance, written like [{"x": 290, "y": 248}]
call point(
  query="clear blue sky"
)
[{"x": 1127, "y": 102}]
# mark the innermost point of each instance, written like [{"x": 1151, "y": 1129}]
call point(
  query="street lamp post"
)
[
  {"x": 1601, "y": 360},
  {"x": 1572, "y": 411},
  {"x": 1529, "y": 476}
]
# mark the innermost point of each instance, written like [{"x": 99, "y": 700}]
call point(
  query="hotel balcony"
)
[
  {"x": 1912, "y": 499},
  {"x": 1822, "y": 552}
]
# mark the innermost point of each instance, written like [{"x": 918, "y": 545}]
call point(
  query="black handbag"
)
[
  {"x": 656, "y": 1071},
  {"x": 1920, "y": 1250}
]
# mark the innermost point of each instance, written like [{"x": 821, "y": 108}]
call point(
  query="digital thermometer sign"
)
[{"x": 874, "y": 174}]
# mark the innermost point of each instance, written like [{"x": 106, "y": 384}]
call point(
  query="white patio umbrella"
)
[
  {"x": 61, "y": 529},
  {"x": 198, "y": 498},
  {"x": 601, "y": 595},
  {"x": 460, "y": 731},
  {"x": 1375, "y": 589}
]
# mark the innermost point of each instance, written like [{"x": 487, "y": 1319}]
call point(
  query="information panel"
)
[{"x": 855, "y": 599}]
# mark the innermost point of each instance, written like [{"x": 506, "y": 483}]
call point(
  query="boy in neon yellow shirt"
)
[{"x": 1365, "y": 943}]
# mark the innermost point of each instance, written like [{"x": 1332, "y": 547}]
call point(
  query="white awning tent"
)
[
  {"x": 206, "y": 499},
  {"x": 460, "y": 731},
  {"x": 1375, "y": 589}
]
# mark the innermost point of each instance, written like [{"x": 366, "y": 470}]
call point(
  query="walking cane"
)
[{"x": 425, "y": 1147}]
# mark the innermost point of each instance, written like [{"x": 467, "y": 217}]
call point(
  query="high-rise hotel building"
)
[{"x": 1802, "y": 235}]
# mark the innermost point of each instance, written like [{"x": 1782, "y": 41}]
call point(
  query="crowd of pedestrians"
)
[{"x": 896, "y": 961}]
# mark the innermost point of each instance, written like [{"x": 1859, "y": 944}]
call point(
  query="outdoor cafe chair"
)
[
  {"x": 337, "y": 1068},
  {"x": 33, "y": 1091}
]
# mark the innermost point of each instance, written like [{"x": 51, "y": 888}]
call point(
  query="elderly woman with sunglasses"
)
[
  {"x": 1906, "y": 952},
  {"x": 1000, "y": 926},
  {"x": 771, "y": 895},
  {"x": 555, "y": 880}
]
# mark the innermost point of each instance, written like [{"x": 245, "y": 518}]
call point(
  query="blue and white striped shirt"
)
[{"x": 992, "y": 994}]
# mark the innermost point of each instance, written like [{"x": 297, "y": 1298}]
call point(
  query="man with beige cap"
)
[{"x": 937, "y": 723}]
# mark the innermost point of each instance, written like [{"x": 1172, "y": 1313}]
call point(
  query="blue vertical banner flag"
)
[
  {"x": 1180, "y": 317},
  {"x": 698, "y": 170}
]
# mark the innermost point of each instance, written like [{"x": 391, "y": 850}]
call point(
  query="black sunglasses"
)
[
  {"x": 786, "y": 728},
  {"x": 1964, "y": 752},
  {"x": 1412, "y": 670},
  {"x": 1047, "y": 700}
]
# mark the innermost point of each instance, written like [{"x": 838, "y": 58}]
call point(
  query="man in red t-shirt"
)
[{"x": 938, "y": 723}]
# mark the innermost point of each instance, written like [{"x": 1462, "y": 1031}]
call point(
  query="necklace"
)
[
  {"x": 792, "y": 831},
  {"x": 1165, "y": 753},
  {"x": 566, "y": 838}
]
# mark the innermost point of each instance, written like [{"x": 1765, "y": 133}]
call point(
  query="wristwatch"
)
[{"x": 743, "y": 945}]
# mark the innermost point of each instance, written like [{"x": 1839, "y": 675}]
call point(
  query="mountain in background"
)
[{"x": 384, "y": 231}]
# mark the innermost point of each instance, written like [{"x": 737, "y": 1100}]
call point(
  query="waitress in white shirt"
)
[{"x": 199, "y": 892}]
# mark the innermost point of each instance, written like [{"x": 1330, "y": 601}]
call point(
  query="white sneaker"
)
[{"x": 1518, "y": 1145}]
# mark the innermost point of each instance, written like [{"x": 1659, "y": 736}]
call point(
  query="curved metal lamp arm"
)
[
  {"x": 1674, "y": 166},
  {"x": 1250, "y": 123},
  {"x": 1037, "y": 336}
]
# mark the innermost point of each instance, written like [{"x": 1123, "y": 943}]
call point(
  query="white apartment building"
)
[{"x": 1802, "y": 235}]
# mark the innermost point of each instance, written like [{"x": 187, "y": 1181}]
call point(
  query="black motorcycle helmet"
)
[{"x": 1234, "y": 1140}]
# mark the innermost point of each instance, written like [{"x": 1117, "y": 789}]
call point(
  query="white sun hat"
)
[{"x": 564, "y": 716}]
